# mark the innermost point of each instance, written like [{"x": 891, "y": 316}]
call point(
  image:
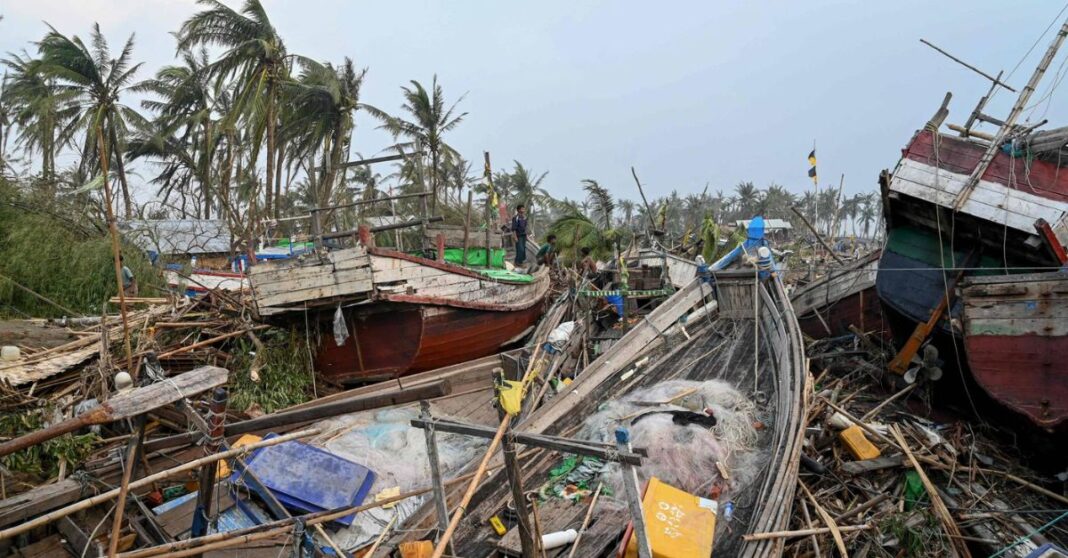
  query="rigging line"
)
[
  {"x": 1030, "y": 50},
  {"x": 945, "y": 281}
]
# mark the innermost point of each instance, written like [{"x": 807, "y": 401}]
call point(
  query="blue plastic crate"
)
[{"x": 309, "y": 479}]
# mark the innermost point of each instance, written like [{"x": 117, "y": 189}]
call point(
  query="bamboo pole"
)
[
  {"x": 309, "y": 519},
  {"x": 134, "y": 446},
  {"x": 461, "y": 509},
  {"x": 948, "y": 524},
  {"x": 585, "y": 520},
  {"x": 109, "y": 495},
  {"x": 211, "y": 341},
  {"x": 115, "y": 252},
  {"x": 802, "y": 533}
]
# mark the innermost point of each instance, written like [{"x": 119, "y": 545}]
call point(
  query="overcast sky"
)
[{"x": 688, "y": 92}]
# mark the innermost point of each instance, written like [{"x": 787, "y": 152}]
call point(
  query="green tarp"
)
[
  {"x": 476, "y": 257},
  {"x": 505, "y": 275}
]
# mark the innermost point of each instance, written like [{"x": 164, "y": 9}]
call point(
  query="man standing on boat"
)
[{"x": 519, "y": 229}]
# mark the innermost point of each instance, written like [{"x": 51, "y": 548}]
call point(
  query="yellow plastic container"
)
[
  {"x": 224, "y": 467},
  {"x": 858, "y": 444},
  {"x": 679, "y": 524}
]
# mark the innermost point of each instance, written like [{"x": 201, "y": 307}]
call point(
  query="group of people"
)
[{"x": 546, "y": 254}]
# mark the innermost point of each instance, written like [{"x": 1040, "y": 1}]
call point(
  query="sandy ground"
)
[{"x": 27, "y": 333}]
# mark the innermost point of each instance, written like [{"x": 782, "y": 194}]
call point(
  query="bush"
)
[{"x": 57, "y": 260}]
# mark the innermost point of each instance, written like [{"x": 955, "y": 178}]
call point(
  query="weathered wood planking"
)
[
  {"x": 990, "y": 200},
  {"x": 315, "y": 277},
  {"x": 679, "y": 270},
  {"x": 1016, "y": 336},
  {"x": 40, "y": 499},
  {"x": 837, "y": 285}
]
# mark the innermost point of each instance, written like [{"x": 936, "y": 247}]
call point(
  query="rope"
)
[{"x": 1028, "y": 536}]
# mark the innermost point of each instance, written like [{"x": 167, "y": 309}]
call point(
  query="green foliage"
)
[
  {"x": 576, "y": 231},
  {"x": 286, "y": 375},
  {"x": 54, "y": 259},
  {"x": 925, "y": 539},
  {"x": 710, "y": 239},
  {"x": 42, "y": 459}
]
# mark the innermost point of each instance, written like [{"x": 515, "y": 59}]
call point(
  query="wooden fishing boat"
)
[
  {"x": 844, "y": 297},
  {"x": 964, "y": 205},
  {"x": 1016, "y": 335},
  {"x": 399, "y": 313},
  {"x": 686, "y": 337}
]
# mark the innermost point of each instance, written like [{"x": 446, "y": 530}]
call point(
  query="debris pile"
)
[{"x": 879, "y": 479}]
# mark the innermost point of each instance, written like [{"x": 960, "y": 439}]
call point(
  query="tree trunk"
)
[
  {"x": 434, "y": 180},
  {"x": 278, "y": 181},
  {"x": 205, "y": 176},
  {"x": 270, "y": 147},
  {"x": 122, "y": 174},
  {"x": 332, "y": 166}
]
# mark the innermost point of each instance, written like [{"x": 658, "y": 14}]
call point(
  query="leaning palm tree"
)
[
  {"x": 255, "y": 55},
  {"x": 37, "y": 109},
  {"x": 95, "y": 83},
  {"x": 429, "y": 120},
  {"x": 320, "y": 117},
  {"x": 184, "y": 105}
]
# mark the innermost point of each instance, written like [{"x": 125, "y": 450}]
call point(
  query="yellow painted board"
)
[
  {"x": 858, "y": 444},
  {"x": 679, "y": 524}
]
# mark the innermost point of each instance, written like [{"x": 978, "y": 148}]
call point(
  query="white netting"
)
[
  {"x": 386, "y": 443},
  {"x": 683, "y": 455}
]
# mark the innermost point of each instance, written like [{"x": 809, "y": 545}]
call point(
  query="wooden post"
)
[
  {"x": 489, "y": 211},
  {"x": 634, "y": 497},
  {"x": 815, "y": 232},
  {"x": 216, "y": 423},
  {"x": 317, "y": 227},
  {"x": 467, "y": 227},
  {"x": 515, "y": 482},
  {"x": 440, "y": 504},
  {"x": 440, "y": 241},
  {"x": 132, "y": 450}
]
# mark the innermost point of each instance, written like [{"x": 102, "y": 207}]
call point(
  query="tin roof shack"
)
[
  {"x": 778, "y": 229},
  {"x": 181, "y": 240}
]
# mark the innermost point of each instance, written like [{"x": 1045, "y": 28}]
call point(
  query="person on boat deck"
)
[
  {"x": 547, "y": 253},
  {"x": 519, "y": 229},
  {"x": 129, "y": 283}
]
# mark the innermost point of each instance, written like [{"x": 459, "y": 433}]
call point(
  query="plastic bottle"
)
[
  {"x": 728, "y": 510},
  {"x": 558, "y": 539}
]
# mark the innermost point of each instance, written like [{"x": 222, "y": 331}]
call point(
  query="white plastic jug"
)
[{"x": 9, "y": 353}]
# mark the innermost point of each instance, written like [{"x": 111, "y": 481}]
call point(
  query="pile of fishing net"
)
[
  {"x": 687, "y": 427},
  {"x": 386, "y": 443}
]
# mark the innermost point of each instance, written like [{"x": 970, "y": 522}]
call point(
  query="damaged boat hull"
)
[
  {"x": 396, "y": 339},
  {"x": 845, "y": 297},
  {"x": 1016, "y": 335}
]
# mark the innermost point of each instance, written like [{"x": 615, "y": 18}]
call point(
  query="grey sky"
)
[{"x": 688, "y": 92}]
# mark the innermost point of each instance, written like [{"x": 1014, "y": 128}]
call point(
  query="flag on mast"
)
[{"x": 812, "y": 171}]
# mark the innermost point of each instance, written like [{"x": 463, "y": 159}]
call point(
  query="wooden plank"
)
[
  {"x": 38, "y": 500},
  {"x": 554, "y": 515}
]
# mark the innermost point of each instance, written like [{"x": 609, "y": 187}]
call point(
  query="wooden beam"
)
[
  {"x": 389, "y": 398},
  {"x": 126, "y": 405},
  {"x": 373, "y": 160},
  {"x": 565, "y": 445}
]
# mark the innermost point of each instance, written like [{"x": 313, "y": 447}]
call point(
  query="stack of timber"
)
[
  {"x": 402, "y": 313},
  {"x": 961, "y": 207}
]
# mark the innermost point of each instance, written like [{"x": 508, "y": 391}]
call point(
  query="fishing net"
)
[
  {"x": 386, "y": 443},
  {"x": 666, "y": 420}
]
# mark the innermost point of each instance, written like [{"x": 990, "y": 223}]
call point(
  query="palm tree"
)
[
  {"x": 254, "y": 54},
  {"x": 429, "y": 121},
  {"x": 601, "y": 201},
  {"x": 747, "y": 197},
  {"x": 320, "y": 117},
  {"x": 95, "y": 82},
  {"x": 185, "y": 107},
  {"x": 38, "y": 109}
]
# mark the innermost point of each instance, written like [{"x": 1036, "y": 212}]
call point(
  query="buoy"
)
[
  {"x": 9, "y": 353},
  {"x": 123, "y": 380},
  {"x": 558, "y": 539}
]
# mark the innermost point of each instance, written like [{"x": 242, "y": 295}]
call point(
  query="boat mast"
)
[{"x": 1007, "y": 127}]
